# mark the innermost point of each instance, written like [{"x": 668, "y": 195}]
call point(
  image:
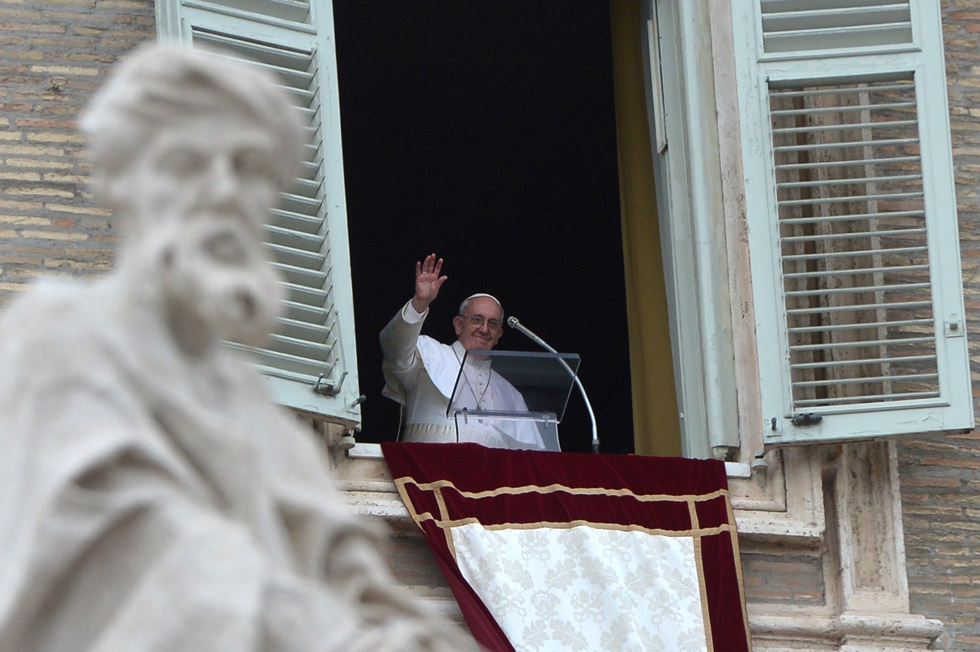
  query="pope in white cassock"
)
[{"x": 421, "y": 373}]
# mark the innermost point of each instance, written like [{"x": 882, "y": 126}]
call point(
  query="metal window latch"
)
[
  {"x": 326, "y": 388},
  {"x": 357, "y": 401},
  {"x": 806, "y": 419},
  {"x": 954, "y": 328}
]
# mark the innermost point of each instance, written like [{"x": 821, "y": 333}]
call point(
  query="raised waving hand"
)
[{"x": 427, "y": 282}]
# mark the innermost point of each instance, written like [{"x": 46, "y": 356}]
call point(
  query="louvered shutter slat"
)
[
  {"x": 816, "y": 201},
  {"x": 786, "y": 91},
  {"x": 836, "y": 18},
  {"x": 304, "y": 312},
  {"x": 925, "y": 323},
  {"x": 291, "y": 238},
  {"x": 307, "y": 294},
  {"x": 306, "y": 188},
  {"x": 309, "y": 170},
  {"x": 855, "y": 271},
  {"x": 851, "y": 217},
  {"x": 858, "y": 234},
  {"x": 864, "y": 361},
  {"x": 304, "y": 99},
  {"x": 894, "y": 160},
  {"x": 294, "y": 221},
  {"x": 288, "y": 64},
  {"x": 272, "y": 11},
  {"x": 848, "y": 182},
  {"x": 863, "y": 380},
  {"x": 299, "y": 276},
  {"x": 818, "y": 25},
  {"x": 823, "y": 292},
  {"x": 771, "y": 6},
  {"x": 821, "y": 310},
  {"x": 297, "y": 258},
  {"x": 305, "y": 329},
  {"x": 280, "y": 365},
  {"x": 839, "y": 345},
  {"x": 820, "y": 39},
  {"x": 854, "y": 253},
  {"x": 850, "y": 401},
  {"x": 300, "y": 348}
]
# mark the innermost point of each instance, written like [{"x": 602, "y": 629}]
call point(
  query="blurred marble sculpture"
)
[{"x": 151, "y": 496}]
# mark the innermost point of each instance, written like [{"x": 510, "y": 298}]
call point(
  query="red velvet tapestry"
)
[{"x": 570, "y": 551}]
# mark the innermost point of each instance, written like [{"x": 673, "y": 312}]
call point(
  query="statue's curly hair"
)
[{"x": 159, "y": 85}]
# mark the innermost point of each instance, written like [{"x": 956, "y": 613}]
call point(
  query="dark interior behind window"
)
[{"x": 485, "y": 131}]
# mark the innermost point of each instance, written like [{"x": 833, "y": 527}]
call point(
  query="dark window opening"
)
[{"x": 485, "y": 132}]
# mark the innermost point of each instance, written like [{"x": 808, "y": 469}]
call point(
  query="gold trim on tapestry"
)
[
  {"x": 409, "y": 505},
  {"x": 737, "y": 556},
  {"x": 703, "y": 590},
  {"x": 444, "y": 515},
  {"x": 564, "y": 525},
  {"x": 555, "y": 488},
  {"x": 445, "y": 523}
]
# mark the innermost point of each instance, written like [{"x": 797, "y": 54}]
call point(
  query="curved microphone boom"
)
[{"x": 515, "y": 323}]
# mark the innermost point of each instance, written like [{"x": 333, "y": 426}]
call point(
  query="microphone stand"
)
[{"x": 514, "y": 323}]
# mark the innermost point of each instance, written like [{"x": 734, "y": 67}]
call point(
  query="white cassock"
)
[{"x": 420, "y": 374}]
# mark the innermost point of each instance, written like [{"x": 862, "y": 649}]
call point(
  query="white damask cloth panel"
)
[{"x": 586, "y": 588}]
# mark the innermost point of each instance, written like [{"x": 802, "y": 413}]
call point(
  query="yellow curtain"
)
[{"x": 656, "y": 421}]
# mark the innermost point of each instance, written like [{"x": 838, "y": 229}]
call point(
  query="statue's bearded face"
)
[{"x": 198, "y": 195}]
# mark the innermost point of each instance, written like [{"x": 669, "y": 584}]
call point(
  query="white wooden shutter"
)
[
  {"x": 310, "y": 360},
  {"x": 851, "y": 213},
  {"x": 818, "y": 25}
]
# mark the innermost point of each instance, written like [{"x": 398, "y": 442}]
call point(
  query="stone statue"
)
[{"x": 152, "y": 498}]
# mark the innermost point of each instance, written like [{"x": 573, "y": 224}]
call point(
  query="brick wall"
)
[
  {"x": 940, "y": 477},
  {"x": 53, "y": 54}
]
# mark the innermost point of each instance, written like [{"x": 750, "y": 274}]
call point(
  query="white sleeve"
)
[{"x": 399, "y": 338}]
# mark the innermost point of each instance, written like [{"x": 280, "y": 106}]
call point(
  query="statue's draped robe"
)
[{"x": 150, "y": 500}]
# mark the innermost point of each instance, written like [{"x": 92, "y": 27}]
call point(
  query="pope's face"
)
[
  {"x": 197, "y": 197},
  {"x": 482, "y": 336}
]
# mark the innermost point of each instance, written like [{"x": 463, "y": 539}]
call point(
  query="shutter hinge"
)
[{"x": 326, "y": 388}]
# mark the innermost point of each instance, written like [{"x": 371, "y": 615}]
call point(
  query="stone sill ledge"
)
[
  {"x": 878, "y": 632},
  {"x": 365, "y": 451}
]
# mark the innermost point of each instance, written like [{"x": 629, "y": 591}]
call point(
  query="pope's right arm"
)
[{"x": 399, "y": 336}]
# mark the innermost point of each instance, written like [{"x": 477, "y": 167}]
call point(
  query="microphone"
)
[{"x": 516, "y": 324}]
